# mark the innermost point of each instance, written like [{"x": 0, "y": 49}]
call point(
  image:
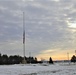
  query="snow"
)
[{"x": 38, "y": 69}]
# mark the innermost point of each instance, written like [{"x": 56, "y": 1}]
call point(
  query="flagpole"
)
[{"x": 24, "y": 61}]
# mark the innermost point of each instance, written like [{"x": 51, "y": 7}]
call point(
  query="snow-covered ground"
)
[{"x": 38, "y": 69}]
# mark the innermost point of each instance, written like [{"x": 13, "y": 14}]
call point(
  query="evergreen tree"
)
[
  {"x": 50, "y": 61},
  {"x": 0, "y": 59},
  {"x": 73, "y": 59},
  {"x": 4, "y": 59},
  {"x": 35, "y": 60}
]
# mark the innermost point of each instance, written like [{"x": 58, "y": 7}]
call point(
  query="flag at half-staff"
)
[
  {"x": 24, "y": 37},
  {"x": 23, "y": 28}
]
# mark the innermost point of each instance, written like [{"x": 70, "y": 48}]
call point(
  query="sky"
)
[{"x": 50, "y": 28}]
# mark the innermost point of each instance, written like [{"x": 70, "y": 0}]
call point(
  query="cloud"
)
[
  {"x": 51, "y": 27},
  {"x": 45, "y": 25}
]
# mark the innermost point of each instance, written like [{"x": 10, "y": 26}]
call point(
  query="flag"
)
[{"x": 23, "y": 37}]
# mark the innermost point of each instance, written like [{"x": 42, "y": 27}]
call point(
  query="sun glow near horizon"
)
[
  {"x": 54, "y": 57},
  {"x": 60, "y": 55}
]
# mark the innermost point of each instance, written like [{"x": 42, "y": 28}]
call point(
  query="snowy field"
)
[{"x": 38, "y": 69}]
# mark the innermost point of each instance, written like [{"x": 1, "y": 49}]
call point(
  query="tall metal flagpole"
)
[{"x": 24, "y": 61}]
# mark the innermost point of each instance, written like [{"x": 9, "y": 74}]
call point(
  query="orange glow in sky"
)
[{"x": 62, "y": 55}]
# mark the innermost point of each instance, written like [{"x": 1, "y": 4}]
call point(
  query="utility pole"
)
[
  {"x": 68, "y": 58},
  {"x": 75, "y": 52}
]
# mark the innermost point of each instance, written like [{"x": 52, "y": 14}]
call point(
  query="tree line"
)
[{"x": 16, "y": 59}]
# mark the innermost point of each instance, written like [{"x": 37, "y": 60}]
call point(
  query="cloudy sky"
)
[{"x": 50, "y": 27}]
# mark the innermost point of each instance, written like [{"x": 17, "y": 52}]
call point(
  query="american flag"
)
[{"x": 23, "y": 37}]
